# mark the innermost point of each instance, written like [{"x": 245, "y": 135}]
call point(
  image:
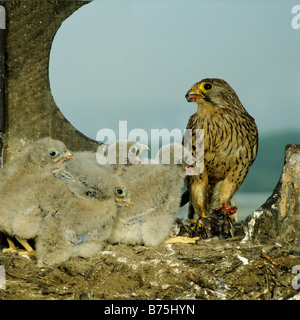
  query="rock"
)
[{"x": 278, "y": 219}]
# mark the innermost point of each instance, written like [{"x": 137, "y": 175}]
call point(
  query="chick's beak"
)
[
  {"x": 134, "y": 158},
  {"x": 66, "y": 156},
  {"x": 193, "y": 95},
  {"x": 126, "y": 201},
  {"x": 142, "y": 148}
]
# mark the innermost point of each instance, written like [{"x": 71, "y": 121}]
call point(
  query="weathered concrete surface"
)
[
  {"x": 278, "y": 219},
  {"x": 31, "y": 112}
]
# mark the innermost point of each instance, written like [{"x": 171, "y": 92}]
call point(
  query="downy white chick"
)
[
  {"x": 149, "y": 198},
  {"x": 85, "y": 174},
  {"x": 82, "y": 223},
  {"x": 79, "y": 228},
  {"x": 23, "y": 181},
  {"x": 121, "y": 152}
]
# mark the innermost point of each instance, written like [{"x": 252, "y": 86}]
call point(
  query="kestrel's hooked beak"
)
[
  {"x": 194, "y": 95},
  {"x": 66, "y": 156},
  {"x": 190, "y": 169}
]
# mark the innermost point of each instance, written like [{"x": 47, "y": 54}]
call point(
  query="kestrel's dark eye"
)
[
  {"x": 120, "y": 192},
  {"x": 53, "y": 153},
  {"x": 206, "y": 86}
]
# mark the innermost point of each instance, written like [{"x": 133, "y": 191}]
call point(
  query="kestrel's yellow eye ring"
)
[{"x": 206, "y": 86}]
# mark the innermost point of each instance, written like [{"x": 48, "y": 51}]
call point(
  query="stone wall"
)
[
  {"x": 31, "y": 112},
  {"x": 279, "y": 217}
]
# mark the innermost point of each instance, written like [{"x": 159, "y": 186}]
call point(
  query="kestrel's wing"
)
[{"x": 185, "y": 198}]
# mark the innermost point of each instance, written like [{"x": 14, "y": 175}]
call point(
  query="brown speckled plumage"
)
[{"x": 230, "y": 144}]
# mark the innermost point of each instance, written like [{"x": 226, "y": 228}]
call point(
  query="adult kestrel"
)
[{"x": 230, "y": 146}]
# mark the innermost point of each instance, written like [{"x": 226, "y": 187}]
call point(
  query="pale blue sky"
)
[{"x": 135, "y": 59}]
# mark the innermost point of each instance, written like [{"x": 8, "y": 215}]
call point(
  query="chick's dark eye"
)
[
  {"x": 120, "y": 192},
  {"x": 133, "y": 150},
  {"x": 53, "y": 153}
]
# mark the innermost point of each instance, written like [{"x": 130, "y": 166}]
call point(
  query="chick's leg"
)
[
  {"x": 29, "y": 250},
  {"x": 11, "y": 246}
]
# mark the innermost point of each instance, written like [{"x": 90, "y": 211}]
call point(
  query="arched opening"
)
[{"x": 134, "y": 61}]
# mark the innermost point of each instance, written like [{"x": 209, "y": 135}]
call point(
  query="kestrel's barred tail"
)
[{"x": 230, "y": 145}]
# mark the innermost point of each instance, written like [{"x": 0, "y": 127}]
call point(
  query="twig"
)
[
  {"x": 274, "y": 263},
  {"x": 264, "y": 255},
  {"x": 185, "y": 227}
]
